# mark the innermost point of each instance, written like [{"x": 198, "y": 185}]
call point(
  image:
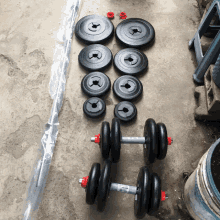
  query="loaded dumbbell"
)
[
  {"x": 148, "y": 193},
  {"x": 155, "y": 140}
]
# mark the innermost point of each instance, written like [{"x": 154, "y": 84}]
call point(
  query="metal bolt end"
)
[
  {"x": 93, "y": 139},
  {"x": 166, "y": 197},
  {"x": 80, "y": 181}
]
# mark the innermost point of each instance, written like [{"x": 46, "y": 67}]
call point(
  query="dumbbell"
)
[
  {"x": 155, "y": 140},
  {"x": 148, "y": 193}
]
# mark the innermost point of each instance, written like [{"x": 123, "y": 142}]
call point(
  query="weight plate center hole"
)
[
  {"x": 135, "y": 30},
  {"x": 125, "y": 110},
  {"x": 130, "y": 59},
  {"x": 95, "y": 82},
  {"x": 127, "y": 86},
  {"x": 94, "y": 105}
]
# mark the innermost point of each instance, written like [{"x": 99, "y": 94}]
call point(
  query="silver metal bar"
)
[
  {"x": 92, "y": 139},
  {"x": 133, "y": 140},
  {"x": 57, "y": 87},
  {"x": 123, "y": 188}
]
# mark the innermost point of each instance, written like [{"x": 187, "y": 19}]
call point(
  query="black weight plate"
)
[
  {"x": 95, "y": 57},
  {"x": 94, "y": 29},
  {"x": 104, "y": 186},
  {"x": 94, "y": 107},
  {"x": 135, "y": 32},
  {"x": 96, "y": 84},
  {"x": 115, "y": 140},
  {"x": 127, "y": 88},
  {"x": 155, "y": 194},
  {"x": 162, "y": 141},
  {"x": 150, "y": 147},
  {"x": 142, "y": 198},
  {"x": 93, "y": 183},
  {"x": 131, "y": 61},
  {"x": 105, "y": 141},
  {"x": 125, "y": 111}
]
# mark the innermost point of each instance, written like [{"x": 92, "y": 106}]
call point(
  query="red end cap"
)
[
  {"x": 84, "y": 181},
  {"x": 163, "y": 195},
  {"x": 110, "y": 15},
  {"x": 97, "y": 138},
  {"x": 123, "y": 15},
  {"x": 170, "y": 140}
]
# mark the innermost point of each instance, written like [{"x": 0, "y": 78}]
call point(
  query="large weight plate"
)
[
  {"x": 95, "y": 57},
  {"x": 162, "y": 141},
  {"x": 94, "y": 107},
  {"x": 150, "y": 147},
  {"x": 96, "y": 84},
  {"x": 142, "y": 197},
  {"x": 104, "y": 186},
  {"x": 127, "y": 88},
  {"x": 131, "y": 61},
  {"x": 94, "y": 29},
  {"x": 93, "y": 183},
  {"x": 125, "y": 111},
  {"x": 135, "y": 32},
  {"x": 105, "y": 141},
  {"x": 155, "y": 194},
  {"x": 115, "y": 140}
]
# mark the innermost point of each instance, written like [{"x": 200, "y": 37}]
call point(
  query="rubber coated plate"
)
[
  {"x": 93, "y": 183},
  {"x": 125, "y": 111},
  {"x": 142, "y": 197},
  {"x": 95, "y": 57},
  {"x": 94, "y": 107},
  {"x": 104, "y": 186},
  {"x": 105, "y": 141},
  {"x": 131, "y": 61},
  {"x": 127, "y": 88},
  {"x": 150, "y": 147},
  {"x": 155, "y": 194},
  {"x": 96, "y": 84},
  {"x": 162, "y": 141},
  {"x": 115, "y": 140},
  {"x": 94, "y": 29},
  {"x": 135, "y": 32}
]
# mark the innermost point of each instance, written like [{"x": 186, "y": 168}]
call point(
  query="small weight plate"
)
[
  {"x": 94, "y": 107},
  {"x": 162, "y": 141},
  {"x": 104, "y": 186},
  {"x": 95, "y": 57},
  {"x": 127, "y": 88},
  {"x": 142, "y": 198},
  {"x": 105, "y": 141},
  {"x": 93, "y": 183},
  {"x": 131, "y": 61},
  {"x": 96, "y": 84},
  {"x": 150, "y": 134},
  {"x": 135, "y": 32},
  {"x": 94, "y": 29},
  {"x": 115, "y": 140},
  {"x": 125, "y": 111},
  {"x": 155, "y": 194}
]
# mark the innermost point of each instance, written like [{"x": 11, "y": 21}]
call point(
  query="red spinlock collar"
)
[{"x": 84, "y": 181}]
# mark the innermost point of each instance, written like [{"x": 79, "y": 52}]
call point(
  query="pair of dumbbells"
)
[
  {"x": 155, "y": 140},
  {"x": 148, "y": 193}
]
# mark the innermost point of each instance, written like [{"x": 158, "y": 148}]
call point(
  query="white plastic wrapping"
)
[{"x": 57, "y": 88}]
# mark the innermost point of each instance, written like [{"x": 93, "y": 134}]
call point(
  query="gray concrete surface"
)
[{"x": 26, "y": 52}]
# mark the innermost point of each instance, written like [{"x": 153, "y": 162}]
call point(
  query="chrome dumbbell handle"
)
[
  {"x": 123, "y": 188},
  {"x": 126, "y": 140},
  {"x": 133, "y": 140},
  {"x": 120, "y": 188}
]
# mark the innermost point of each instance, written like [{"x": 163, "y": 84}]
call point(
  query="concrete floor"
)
[{"x": 26, "y": 53}]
